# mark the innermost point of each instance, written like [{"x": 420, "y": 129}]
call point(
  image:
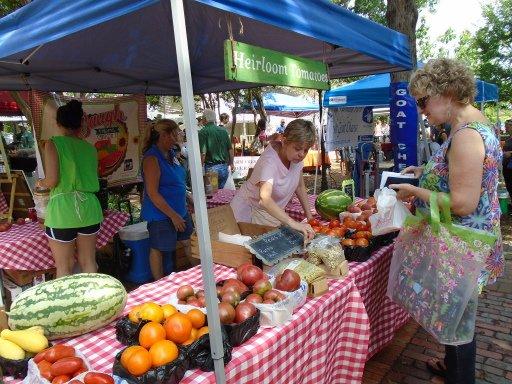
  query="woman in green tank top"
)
[{"x": 73, "y": 215}]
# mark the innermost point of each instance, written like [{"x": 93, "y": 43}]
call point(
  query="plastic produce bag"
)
[
  {"x": 34, "y": 377},
  {"x": 434, "y": 273},
  {"x": 171, "y": 373},
  {"x": 240, "y": 333},
  {"x": 391, "y": 212},
  {"x": 230, "y": 182},
  {"x": 328, "y": 250},
  {"x": 199, "y": 354},
  {"x": 127, "y": 332}
]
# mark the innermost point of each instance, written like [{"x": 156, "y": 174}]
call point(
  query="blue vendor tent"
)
[
  {"x": 280, "y": 104},
  {"x": 374, "y": 91},
  {"x": 126, "y": 46}
]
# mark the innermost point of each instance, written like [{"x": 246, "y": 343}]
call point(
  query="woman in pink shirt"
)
[{"x": 276, "y": 177}]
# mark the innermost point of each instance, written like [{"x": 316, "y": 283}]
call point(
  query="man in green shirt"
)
[
  {"x": 26, "y": 138},
  {"x": 215, "y": 146}
]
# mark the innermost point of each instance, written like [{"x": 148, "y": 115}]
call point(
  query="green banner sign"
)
[{"x": 251, "y": 64}]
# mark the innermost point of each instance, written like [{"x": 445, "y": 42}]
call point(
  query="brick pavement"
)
[{"x": 403, "y": 361}]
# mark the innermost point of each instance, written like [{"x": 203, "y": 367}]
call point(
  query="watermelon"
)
[
  {"x": 331, "y": 202},
  {"x": 69, "y": 306}
]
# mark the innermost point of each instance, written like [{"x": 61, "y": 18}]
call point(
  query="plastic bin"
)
[{"x": 136, "y": 237}]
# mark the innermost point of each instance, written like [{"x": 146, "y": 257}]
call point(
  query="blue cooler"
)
[{"x": 136, "y": 237}]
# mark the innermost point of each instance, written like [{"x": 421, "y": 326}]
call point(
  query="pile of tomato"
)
[{"x": 352, "y": 233}]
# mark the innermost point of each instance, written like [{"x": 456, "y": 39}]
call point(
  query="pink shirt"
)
[{"x": 269, "y": 167}]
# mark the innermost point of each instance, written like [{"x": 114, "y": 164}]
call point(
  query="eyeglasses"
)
[{"x": 422, "y": 101}]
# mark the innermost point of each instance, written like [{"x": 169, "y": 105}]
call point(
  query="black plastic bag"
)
[
  {"x": 240, "y": 333},
  {"x": 14, "y": 368},
  {"x": 127, "y": 332},
  {"x": 171, "y": 373},
  {"x": 385, "y": 239},
  {"x": 360, "y": 254},
  {"x": 199, "y": 353}
]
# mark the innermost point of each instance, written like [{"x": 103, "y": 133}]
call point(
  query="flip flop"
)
[{"x": 436, "y": 367}]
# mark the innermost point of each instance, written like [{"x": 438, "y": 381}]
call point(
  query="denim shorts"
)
[{"x": 163, "y": 236}]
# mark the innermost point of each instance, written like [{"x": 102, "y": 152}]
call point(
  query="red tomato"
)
[
  {"x": 361, "y": 225},
  {"x": 45, "y": 370},
  {"x": 340, "y": 231},
  {"x": 66, "y": 366},
  {"x": 334, "y": 224},
  {"x": 362, "y": 242},
  {"x": 324, "y": 230},
  {"x": 75, "y": 381},
  {"x": 331, "y": 232},
  {"x": 98, "y": 378},
  {"x": 350, "y": 224},
  {"x": 314, "y": 222},
  {"x": 348, "y": 242},
  {"x": 58, "y": 352},
  {"x": 61, "y": 379},
  {"x": 317, "y": 229},
  {"x": 40, "y": 356}
]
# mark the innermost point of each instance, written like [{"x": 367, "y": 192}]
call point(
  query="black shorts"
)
[{"x": 70, "y": 234}]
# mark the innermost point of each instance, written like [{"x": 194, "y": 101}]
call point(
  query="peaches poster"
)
[{"x": 114, "y": 126}]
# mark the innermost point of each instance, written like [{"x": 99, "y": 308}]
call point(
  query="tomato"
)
[
  {"x": 75, "y": 381},
  {"x": 162, "y": 352},
  {"x": 362, "y": 242},
  {"x": 350, "y": 224},
  {"x": 61, "y": 379},
  {"x": 314, "y": 222},
  {"x": 340, "y": 231},
  {"x": 58, "y": 352},
  {"x": 66, "y": 366},
  {"x": 331, "y": 232},
  {"x": 136, "y": 360},
  {"x": 41, "y": 356},
  {"x": 348, "y": 242},
  {"x": 334, "y": 224},
  {"x": 324, "y": 230},
  {"x": 98, "y": 378},
  {"x": 202, "y": 331},
  {"x": 151, "y": 333},
  {"x": 360, "y": 235},
  {"x": 360, "y": 225},
  {"x": 197, "y": 318},
  {"x": 178, "y": 328},
  {"x": 45, "y": 370},
  {"x": 317, "y": 229},
  {"x": 347, "y": 219}
]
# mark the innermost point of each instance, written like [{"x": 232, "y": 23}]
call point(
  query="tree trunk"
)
[
  {"x": 261, "y": 107},
  {"x": 236, "y": 99},
  {"x": 402, "y": 16}
]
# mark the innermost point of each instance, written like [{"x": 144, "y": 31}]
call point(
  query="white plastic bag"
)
[
  {"x": 33, "y": 376},
  {"x": 391, "y": 212},
  {"x": 230, "y": 182}
]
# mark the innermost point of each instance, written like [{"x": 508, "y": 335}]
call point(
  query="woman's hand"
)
[
  {"x": 418, "y": 171},
  {"x": 306, "y": 230},
  {"x": 178, "y": 222},
  {"x": 403, "y": 191}
]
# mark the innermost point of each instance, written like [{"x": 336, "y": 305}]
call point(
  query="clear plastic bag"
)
[
  {"x": 34, "y": 377},
  {"x": 434, "y": 273},
  {"x": 328, "y": 250},
  {"x": 391, "y": 212}
]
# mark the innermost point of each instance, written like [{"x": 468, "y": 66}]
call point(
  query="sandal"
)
[{"x": 436, "y": 367}]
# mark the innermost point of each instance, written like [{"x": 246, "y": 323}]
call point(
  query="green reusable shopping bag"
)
[{"x": 434, "y": 271}]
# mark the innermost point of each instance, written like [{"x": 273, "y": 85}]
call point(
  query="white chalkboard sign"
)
[{"x": 276, "y": 245}]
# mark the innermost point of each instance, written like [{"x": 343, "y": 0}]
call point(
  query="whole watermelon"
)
[
  {"x": 331, "y": 202},
  {"x": 69, "y": 306}
]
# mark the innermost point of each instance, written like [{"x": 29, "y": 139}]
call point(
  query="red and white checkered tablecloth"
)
[
  {"x": 4, "y": 207},
  {"x": 294, "y": 209},
  {"x": 325, "y": 342},
  {"x": 371, "y": 279},
  {"x": 25, "y": 247}
]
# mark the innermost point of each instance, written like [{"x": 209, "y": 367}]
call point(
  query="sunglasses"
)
[{"x": 422, "y": 101}]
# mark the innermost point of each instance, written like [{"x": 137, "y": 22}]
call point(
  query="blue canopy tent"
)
[
  {"x": 374, "y": 91},
  {"x": 279, "y": 104},
  {"x": 140, "y": 46}
]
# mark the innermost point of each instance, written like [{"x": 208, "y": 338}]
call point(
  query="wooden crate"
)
[
  {"x": 29, "y": 277},
  {"x": 222, "y": 219}
]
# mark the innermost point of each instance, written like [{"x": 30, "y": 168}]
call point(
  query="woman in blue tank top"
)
[{"x": 164, "y": 205}]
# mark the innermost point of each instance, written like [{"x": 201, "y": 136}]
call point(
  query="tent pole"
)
[
  {"x": 323, "y": 185},
  {"x": 202, "y": 226}
]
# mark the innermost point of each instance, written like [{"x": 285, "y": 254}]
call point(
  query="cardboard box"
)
[
  {"x": 318, "y": 287},
  {"x": 340, "y": 272},
  {"x": 3, "y": 319},
  {"x": 222, "y": 219},
  {"x": 22, "y": 278}
]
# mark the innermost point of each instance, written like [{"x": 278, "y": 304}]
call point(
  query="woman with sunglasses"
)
[{"x": 466, "y": 167}]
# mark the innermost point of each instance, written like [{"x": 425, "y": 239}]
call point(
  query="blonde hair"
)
[
  {"x": 155, "y": 128},
  {"x": 300, "y": 131},
  {"x": 444, "y": 77}
]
